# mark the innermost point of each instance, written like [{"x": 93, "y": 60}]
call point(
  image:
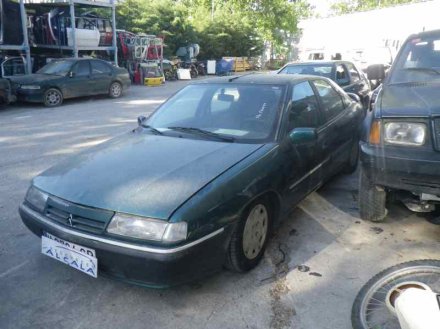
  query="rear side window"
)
[
  {"x": 331, "y": 100},
  {"x": 100, "y": 68},
  {"x": 304, "y": 109}
]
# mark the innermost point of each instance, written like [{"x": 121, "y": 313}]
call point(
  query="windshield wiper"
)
[
  {"x": 422, "y": 69},
  {"x": 204, "y": 132},
  {"x": 154, "y": 130}
]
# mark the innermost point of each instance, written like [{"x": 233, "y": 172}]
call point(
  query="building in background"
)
[{"x": 367, "y": 37}]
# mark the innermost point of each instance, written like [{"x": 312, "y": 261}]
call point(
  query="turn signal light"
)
[{"x": 375, "y": 133}]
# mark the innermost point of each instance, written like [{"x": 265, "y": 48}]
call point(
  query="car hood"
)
[
  {"x": 410, "y": 99},
  {"x": 140, "y": 173},
  {"x": 33, "y": 78}
]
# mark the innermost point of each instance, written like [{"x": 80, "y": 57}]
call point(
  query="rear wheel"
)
[
  {"x": 115, "y": 90},
  {"x": 250, "y": 237},
  {"x": 372, "y": 199},
  {"x": 53, "y": 97}
]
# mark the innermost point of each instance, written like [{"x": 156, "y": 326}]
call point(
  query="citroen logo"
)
[{"x": 70, "y": 219}]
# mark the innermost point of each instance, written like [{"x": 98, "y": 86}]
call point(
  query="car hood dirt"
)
[
  {"x": 140, "y": 173},
  {"x": 411, "y": 99}
]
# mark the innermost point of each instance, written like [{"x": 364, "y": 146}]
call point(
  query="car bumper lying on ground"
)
[
  {"x": 141, "y": 264},
  {"x": 411, "y": 170}
]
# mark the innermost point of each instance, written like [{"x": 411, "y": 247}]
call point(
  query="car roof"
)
[
  {"x": 332, "y": 62},
  {"x": 425, "y": 34},
  {"x": 261, "y": 78}
]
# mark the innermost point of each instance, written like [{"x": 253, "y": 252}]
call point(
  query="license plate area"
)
[{"x": 79, "y": 257}]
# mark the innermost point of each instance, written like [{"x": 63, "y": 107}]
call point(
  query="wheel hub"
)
[{"x": 255, "y": 231}]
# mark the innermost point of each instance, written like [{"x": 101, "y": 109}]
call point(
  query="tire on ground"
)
[
  {"x": 372, "y": 199},
  {"x": 236, "y": 260}
]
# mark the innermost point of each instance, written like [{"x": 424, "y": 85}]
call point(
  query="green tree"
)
[{"x": 351, "y": 6}]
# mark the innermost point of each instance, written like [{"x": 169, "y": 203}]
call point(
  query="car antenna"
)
[{"x": 240, "y": 76}]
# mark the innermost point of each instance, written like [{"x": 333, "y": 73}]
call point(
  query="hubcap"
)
[
  {"x": 116, "y": 89},
  {"x": 53, "y": 97},
  {"x": 255, "y": 231}
]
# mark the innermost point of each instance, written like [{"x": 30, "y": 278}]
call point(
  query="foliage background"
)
[{"x": 236, "y": 28}]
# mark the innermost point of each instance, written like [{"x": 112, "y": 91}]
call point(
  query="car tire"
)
[
  {"x": 53, "y": 97},
  {"x": 115, "y": 90},
  {"x": 353, "y": 160},
  {"x": 250, "y": 236},
  {"x": 372, "y": 200}
]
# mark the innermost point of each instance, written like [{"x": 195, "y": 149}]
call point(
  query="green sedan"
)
[
  {"x": 198, "y": 185},
  {"x": 71, "y": 78}
]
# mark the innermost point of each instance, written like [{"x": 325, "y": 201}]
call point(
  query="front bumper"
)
[
  {"x": 401, "y": 168},
  {"x": 141, "y": 264},
  {"x": 30, "y": 95}
]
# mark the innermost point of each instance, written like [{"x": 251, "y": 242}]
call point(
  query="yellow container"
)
[{"x": 154, "y": 81}]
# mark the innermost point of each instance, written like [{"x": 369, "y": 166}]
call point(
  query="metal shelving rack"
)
[{"x": 25, "y": 47}]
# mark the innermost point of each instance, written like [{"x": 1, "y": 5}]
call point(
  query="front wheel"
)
[
  {"x": 53, "y": 97},
  {"x": 250, "y": 237},
  {"x": 372, "y": 199},
  {"x": 374, "y": 305},
  {"x": 115, "y": 90}
]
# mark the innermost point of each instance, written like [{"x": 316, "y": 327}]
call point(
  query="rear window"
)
[{"x": 322, "y": 70}]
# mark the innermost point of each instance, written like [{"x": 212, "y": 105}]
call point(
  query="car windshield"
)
[
  {"x": 323, "y": 70},
  {"x": 419, "y": 61},
  {"x": 241, "y": 112},
  {"x": 56, "y": 68}
]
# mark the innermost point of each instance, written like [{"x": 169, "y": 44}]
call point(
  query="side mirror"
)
[
  {"x": 71, "y": 74},
  {"x": 354, "y": 97},
  {"x": 376, "y": 72},
  {"x": 141, "y": 120},
  {"x": 303, "y": 135}
]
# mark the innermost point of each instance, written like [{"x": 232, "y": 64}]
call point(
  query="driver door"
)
[
  {"x": 304, "y": 160},
  {"x": 78, "y": 83}
]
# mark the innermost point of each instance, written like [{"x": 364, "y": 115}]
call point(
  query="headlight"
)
[
  {"x": 405, "y": 133},
  {"x": 30, "y": 87},
  {"x": 36, "y": 198},
  {"x": 147, "y": 228}
]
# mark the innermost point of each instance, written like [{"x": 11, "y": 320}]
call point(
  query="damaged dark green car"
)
[{"x": 198, "y": 185}]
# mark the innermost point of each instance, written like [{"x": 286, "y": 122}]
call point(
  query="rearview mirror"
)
[
  {"x": 376, "y": 72},
  {"x": 71, "y": 74},
  {"x": 225, "y": 98},
  {"x": 354, "y": 97},
  {"x": 303, "y": 135}
]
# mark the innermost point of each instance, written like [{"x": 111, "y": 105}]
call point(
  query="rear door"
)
[
  {"x": 102, "y": 75},
  {"x": 338, "y": 131},
  {"x": 78, "y": 84}
]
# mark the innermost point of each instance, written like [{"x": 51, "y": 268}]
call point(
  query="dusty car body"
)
[
  {"x": 400, "y": 143},
  {"x": 70, "y": 78},
  {"x": 200, "y": 183}
]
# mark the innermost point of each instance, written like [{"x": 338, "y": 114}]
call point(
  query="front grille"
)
[
  {"x": 437, "y": 133},
  {"x": 82, "y": 218}
]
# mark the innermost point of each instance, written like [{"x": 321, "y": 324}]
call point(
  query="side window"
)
[
  {"x": 355, "y": 76},
  {"x": 100, "y": 68},
  {"x": 82, "y": 69},
  {"x": 331, "y": 100},
  {"x": 304, "y": 109},
  {"x": 342, "y": 75}
]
